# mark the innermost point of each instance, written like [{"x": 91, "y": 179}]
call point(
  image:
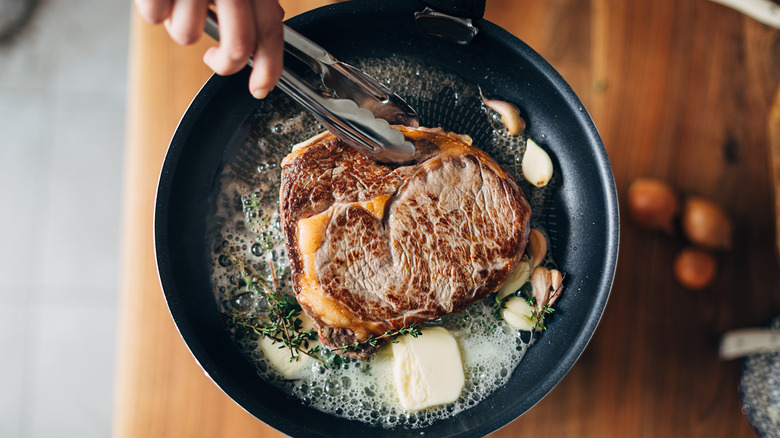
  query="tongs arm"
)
[
  {"x": 335, "y": 115},
  {"x": 361, "y": 99},
  {"x": 338, "y": 77}
]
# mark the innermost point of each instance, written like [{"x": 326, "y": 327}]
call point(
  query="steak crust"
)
[{"x": 376, "y": 247}]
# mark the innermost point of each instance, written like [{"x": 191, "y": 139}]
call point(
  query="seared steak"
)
[{"x": 377, "y": 247}]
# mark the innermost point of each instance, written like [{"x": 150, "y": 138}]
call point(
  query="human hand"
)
[{"x": 248, "y": 28}]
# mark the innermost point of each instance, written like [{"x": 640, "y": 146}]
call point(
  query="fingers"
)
[
  {"x": 237, "y": 39},
  {"x": 268, "y": 56},
  {"x": 186, "y": 21},
  {"x": 247, "y": 28},
  {"x": 154, "y": 11}
]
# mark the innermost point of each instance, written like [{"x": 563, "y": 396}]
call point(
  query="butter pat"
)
[
  {"x": 278, "y": 355},
  {"x": 427, "y": 370}
]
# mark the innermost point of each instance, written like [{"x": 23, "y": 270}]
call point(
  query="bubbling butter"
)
[{"x": 362, "y": 390}]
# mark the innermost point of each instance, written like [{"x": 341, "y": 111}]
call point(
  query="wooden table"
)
[{"x": 680, "y": 90}]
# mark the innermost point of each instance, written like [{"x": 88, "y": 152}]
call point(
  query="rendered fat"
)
[{"x": 427, "y": 370}]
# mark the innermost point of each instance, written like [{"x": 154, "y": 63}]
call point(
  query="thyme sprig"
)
[
  {"x": 288, "y": 333},
  {"x": 390, "y": 335},
  {"x": 537, "y": 316},
  {"x": 284, "y": 325}
]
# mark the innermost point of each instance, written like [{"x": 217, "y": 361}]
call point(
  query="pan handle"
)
[
  {"x": 459, "y": 30},
  {"x": 474, "y": 9}
]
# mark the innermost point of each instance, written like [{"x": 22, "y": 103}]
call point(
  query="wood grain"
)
[
  {"x": 681, "y": 91},
  {"x": 773, "y": 126},
  {"x": 161, "y": 391}
]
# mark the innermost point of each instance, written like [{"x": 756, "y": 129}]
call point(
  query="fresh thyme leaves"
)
[
  {"x": 538, "y": 316},
  {"x": 284, "y": 325},
  {"x": 390, "y": 335},
  {"x": 410, "y": 330},
  {"x": 289, "y": 333}
]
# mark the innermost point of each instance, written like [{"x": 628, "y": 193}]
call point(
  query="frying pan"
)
[{"x": 585, "y": 229}]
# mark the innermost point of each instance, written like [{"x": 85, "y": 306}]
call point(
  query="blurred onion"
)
[
  {"x": 706, "y": 224},
  {"x": 694, "y": 268},
  {"x": 652, "y": 204}
]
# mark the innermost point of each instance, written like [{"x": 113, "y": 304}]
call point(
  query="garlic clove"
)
[
  {"x": 537, "y": 165},
  {"x": 516, "y": 279},
  {"x": 510, "y": 115},
  {"x": 556, "y": 283},
  {"x": 540, "y": 284},
  {"x": 518, "y": 314},
  {"x": 537, "y": 247}
]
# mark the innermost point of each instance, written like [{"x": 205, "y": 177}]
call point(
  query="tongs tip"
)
[{"x": 357, "y": 114}]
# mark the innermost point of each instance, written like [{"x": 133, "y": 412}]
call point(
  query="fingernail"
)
[{"x": 259, "y": 93}]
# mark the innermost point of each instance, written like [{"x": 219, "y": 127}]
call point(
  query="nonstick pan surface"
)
[{"x": 585, "y": 226}]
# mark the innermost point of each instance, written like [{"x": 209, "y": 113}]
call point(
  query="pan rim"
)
[{"x": 213, "y": 86}]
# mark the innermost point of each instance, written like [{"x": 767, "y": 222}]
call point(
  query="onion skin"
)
[
  {"x": 706, "y": 224},
  {"x": 695, "y": 268},
  {"x": 652, "y": 204}
]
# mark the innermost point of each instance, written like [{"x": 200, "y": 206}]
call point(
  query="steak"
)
[{"x": 376, "y": 247}]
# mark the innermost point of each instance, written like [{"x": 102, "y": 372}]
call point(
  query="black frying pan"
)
[{"x": 585, "y": 206}]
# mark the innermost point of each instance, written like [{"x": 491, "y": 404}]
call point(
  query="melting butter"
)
[{"x": 427, "y": 369}]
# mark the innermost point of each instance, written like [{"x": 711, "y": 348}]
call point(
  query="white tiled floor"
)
[{"x": 62, "y": 103}]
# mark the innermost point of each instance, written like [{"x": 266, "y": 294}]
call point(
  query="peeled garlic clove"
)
[
  {"x": 537, "y": 247},
  {"x": 510, "y": 115},
  {"x": 537, "y": 165},
  {"x": 516, "y": 279},
  {"x": 518, "y": 314},
  {"x": 540, "y": 284}
]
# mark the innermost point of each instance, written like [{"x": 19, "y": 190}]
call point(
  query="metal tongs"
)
[{"x": 353, "y": 106}]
